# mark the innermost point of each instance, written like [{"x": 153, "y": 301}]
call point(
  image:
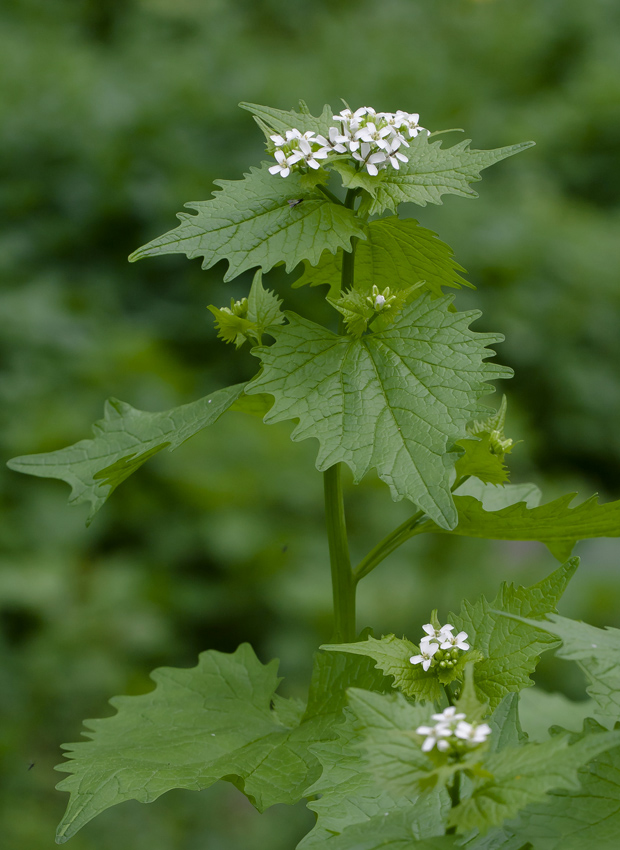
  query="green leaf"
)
[
  {"x": 555, "y": 524},
  {"x": 479, "y": 461},
  {"x": 394, "y": 831},
  {"x": 349, "y": 795},
  {"x": 397, "y": 251},
  {"x": 250, "y": 318},
  {"x": 250, "y": 223},
  {"x": 521, "y": 775},
  {"x": 395, "y": 400},
  {"x": 596, "y": 651},
  {"x": 391, "y": 655},
  {"x": 587, "y": 818},
  {"x": 279, "y": 120},
  {"x": 433, "y": 171},
  {"x": 511, "y": 648},
  {"x": 505, "y": 724},
  {"x": 332, "y": 675},
  {"x": 124, "y": 439},
  {"x": 196, "y": 727},
  {"x": 219, "y": 720},
  {"x": 392, "y": 747}
]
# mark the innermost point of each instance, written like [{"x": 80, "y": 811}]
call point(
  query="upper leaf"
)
[
  {"x": 510, "y": 648},
  {"x": 555, "y": 524},
  {"x": 250, "y": 223},
  {"x": 395, "y": 400},
  {"x": 279, "y": 120},
  {"x": 124, "y": 439},
  {"x": 433, "y": 171},
  {"x": 398, "y": 251},
  {"x": 248, "y": 319},
  {"x": 481, "y": 462}
]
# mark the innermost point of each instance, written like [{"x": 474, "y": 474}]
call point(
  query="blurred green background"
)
[{"x": 114, "y": 113}]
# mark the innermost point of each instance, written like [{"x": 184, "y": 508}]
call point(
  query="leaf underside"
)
[
  {"x": 395, "y": 400},
  {"x": 124, "y": 439}
]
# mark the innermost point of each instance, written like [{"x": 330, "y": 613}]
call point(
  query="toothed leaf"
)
[
  {"x": 397, "y": 251},
  {"x": 250, "y": 223},
  {"x": 124, "y": 439},
  {"x": 394, "y": 400},
  {"x": 433, "y": 171}
]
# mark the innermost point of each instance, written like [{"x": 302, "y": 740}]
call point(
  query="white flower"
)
[
  {"x": 473, "y": 733},
  {"x": 283, "y": 167},
  {"x": 455, "y": 641},
  {"x": 440, "y": 634},
  {"x": 448, "y": 715},
  {"x": 309, "y": 156},
  {"x": 336, "y": 140},
  {"x": 435, "y": 735},
  {"x": 278, "y": 140},
  {"x": 426, "y": 655},
  {"x": 379, "y": 302}
]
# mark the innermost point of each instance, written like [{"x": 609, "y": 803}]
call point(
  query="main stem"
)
[{"x": 343, "y": 583}]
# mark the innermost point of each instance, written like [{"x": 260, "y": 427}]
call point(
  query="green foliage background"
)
[{"x": 113, "y": 115}]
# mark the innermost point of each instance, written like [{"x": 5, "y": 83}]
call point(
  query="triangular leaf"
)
[
  {"x": 481, "y": 462},
  {"x": 555, "y": 524},
  {"x": 511, "y": 649},
  {"x": 398, "y": 251},
  {"x": 250, "y": 223},
  {"x": 272, "y": 120},
  {"x": 433, "y": 171},
  {"x": 221, "y": 719},
  {"x": 249, "y": 318},
  {"x": 395, "y": 400},
  {"x": 391, "y": 655},
  {"x": 124, "y": 439}
]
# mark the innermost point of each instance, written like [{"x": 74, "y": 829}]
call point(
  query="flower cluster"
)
[
  {"x": 439, "y": 647},
  {"x": 452, "y": 732},
  {"x": 373, "y": 139}
]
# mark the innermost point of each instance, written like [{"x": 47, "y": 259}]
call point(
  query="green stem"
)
[
  {"x": 389, "y": 543},
  {"x": 348, "y": 257},
  {"x": 409, "y": 528},
  {"x": 343, "y": 584}
]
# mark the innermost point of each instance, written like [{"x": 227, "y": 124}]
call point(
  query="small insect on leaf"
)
[{"x": 294, "y": 202}]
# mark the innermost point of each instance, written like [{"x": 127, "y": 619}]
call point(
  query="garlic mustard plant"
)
[{"x": 393, "y": 382}]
